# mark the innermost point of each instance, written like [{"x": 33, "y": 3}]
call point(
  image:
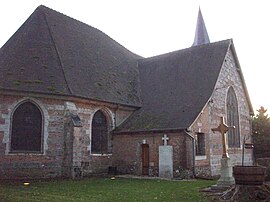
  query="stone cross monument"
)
[
  {"x": 223, "y": 129},
  {"x": 226, "y": 177},
  {"x": 165, "y": 159}
]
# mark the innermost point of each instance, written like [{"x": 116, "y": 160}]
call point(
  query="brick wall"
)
[{"x": 127, "y": 152}]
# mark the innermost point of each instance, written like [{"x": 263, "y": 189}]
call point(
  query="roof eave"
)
[
  {"x": 63, "y": 96},
  {"x": 166, "y": 130}
]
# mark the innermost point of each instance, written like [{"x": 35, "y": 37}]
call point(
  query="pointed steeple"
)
[{"x": 201, "y": 35}]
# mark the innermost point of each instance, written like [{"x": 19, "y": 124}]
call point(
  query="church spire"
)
[{"x": 201, "y": 35}]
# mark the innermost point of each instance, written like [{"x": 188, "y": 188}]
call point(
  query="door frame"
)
[{"x": 145, "y": 159}]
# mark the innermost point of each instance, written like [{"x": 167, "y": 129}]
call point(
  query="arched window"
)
[
  {"x": 233, "y": 119},
  {"x": 100, "y": 134},
  {"x": 26, "y": 133}
]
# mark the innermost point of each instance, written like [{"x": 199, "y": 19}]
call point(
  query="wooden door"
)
[{"x": 145, "y": 159}]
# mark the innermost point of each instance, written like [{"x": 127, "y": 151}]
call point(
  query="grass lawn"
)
[{"x": 105, "y": 189}]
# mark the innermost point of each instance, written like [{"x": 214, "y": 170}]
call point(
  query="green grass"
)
[{"x": 105, "y": 189}]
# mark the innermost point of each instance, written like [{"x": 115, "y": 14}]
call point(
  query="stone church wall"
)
[
  {"x": 30, "y": 165},
  {"x": 127, "y": 152},
  {"x": 95, "y": 164},
  {"x": 66, "y": 149},
  {"x": 209, "y": 118}
]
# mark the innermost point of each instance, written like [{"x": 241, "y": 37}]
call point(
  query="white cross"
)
[{"x": 165, "y": 138}]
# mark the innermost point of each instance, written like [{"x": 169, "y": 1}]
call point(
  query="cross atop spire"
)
[{"x": 201, "y": 35}]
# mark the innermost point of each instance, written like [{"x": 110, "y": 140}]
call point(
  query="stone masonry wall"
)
[
  {"x": 23, "y": 165},
  {"x": 95, "y": 164},
  {"x": 209, "y": 118},
  {"x": 59, "y": 134}
]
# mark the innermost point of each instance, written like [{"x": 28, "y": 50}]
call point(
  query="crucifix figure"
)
[
  {"x": 223, "y": 129},
  {"x": 165, "y": 138}
]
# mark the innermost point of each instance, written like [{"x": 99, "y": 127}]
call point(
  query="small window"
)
[
  {"x": 100, "y": 134},
  {"x": 26, "y": 133},
  {"x": 233, "y": 119},
  {"x": 200, "y": 144}
]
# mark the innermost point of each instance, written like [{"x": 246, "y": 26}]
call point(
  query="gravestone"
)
[{"x": 165, "y": 159}]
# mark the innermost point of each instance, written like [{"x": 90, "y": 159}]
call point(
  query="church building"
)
[{"x": 76, "y": 103}]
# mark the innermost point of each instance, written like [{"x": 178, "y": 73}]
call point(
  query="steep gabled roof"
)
[
  {"x": 54, "y": 54},
  {"x": 176, "y": 86}
]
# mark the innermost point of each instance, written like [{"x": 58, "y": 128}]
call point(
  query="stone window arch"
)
[
  {"x": 233, "y": 119},
  {"x": 26, "y": 128},
  {"x": 101, "y": 137}
]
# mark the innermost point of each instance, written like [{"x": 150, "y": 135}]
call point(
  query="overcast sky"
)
[{"x": 152, "y": 27}]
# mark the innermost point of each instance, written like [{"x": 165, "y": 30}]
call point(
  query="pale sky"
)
[{"x": 152, "y": 27}]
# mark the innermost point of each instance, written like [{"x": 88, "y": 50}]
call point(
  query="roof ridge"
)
[
  {"x": 52, "y": 10},
  {"x": 185, "y": 49},
  {"x": 56, "y": 50}
]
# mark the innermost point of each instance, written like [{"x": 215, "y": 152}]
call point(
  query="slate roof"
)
[
  {"x": 54, "y": 54},
  {"x": 176, "y": 86},
  {"x": 201, "y": 35}
]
